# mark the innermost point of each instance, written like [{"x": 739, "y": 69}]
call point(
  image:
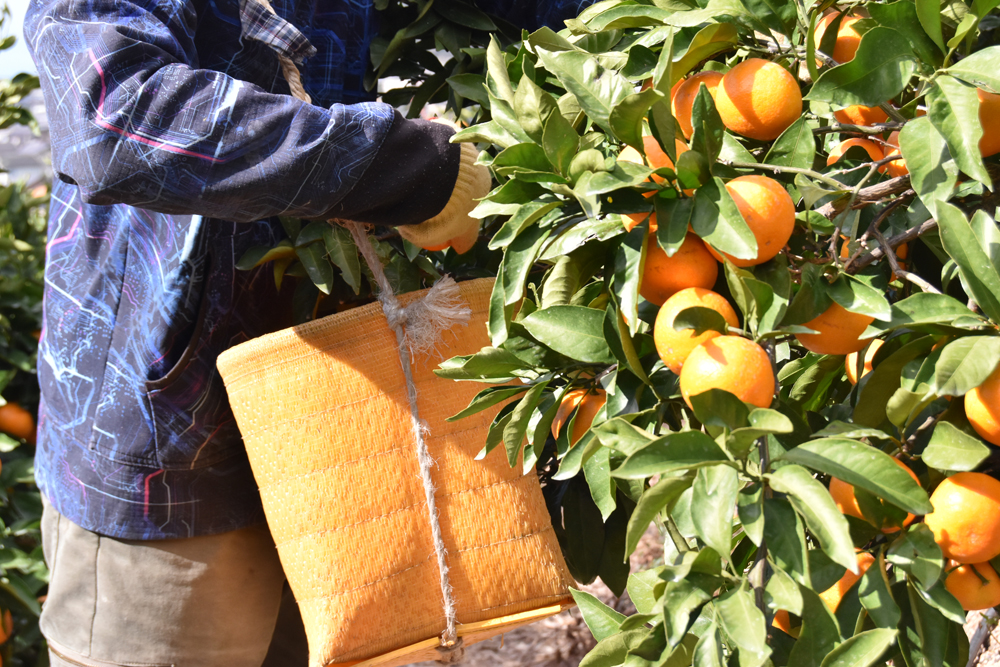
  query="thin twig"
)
[
  {"x": 902, "y": 273},
  {"x": 869, "y": 195},
  {"x": 874, "y": 128},
  {"x": 894, "y": 242},
  {"x": 762, "y": 166}
]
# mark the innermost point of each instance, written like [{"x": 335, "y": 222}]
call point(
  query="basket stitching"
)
[
  {"x": 350, "y": 525},
  {"x": 512, "y": 539},
  {"x": 235, "y": 378},
  {"x": 512, "y": 604},
  {"x": 488, "y": 486},
  {"x": 337, "y": 594},
  {"x": 303, "y": 475},
  {"x": 339, "y": 406}
]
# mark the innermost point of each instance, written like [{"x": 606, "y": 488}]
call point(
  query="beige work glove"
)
[{"x": 453, "y": 226}]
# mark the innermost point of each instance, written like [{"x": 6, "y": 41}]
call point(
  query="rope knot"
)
[{"x": 452, "y": 652}]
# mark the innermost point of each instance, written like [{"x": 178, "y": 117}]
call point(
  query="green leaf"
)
[
  {"x": 929, "y": 15},
  {"x": 713, "y": 39},
  {"x": 487, "y": 398},
  {"x": 862, "y": 466},
  {"x": 981, "y": 69},
  {"x": 622, "y": 436},
  {"x": 471, "y": 86},
  {"x": 497, "y": 69},
  {"x": 518, "y": 261},
  {"x": 713, "y": 505},
  {"x": 783, "y": 593},
  {"x": 916, "y": 552},
  {"x": 978, "y": 272},
  {"x": 629, "y": 260},
  {"x": 964, "y": 364},
  {"x": 318, "y": 267},
  {"x": 744, "y": 623},
  {"x": 718, "y": 221},
  {"x": 679, "y": 601},
  {"x": 750, "y": 509},
  {"x": 701, "y": 319},
  {"x": 941, "y": 599},
  {"x": 720, "y": 408},
  {"x": 876, "y": 598},
  {"x": 574, "y": 331},
  {"x": 640, "y": 587},
  {"x": 707, "y": 652},
  {"x": 795, "y": 147},
  {"x": 598, "y": 90},
  {"x": 597, "y": 472},
  {"x": 527, "y": 215},
  {"x": 602, "y": 620},
  {"x": 344, "y": 254},
  {"x": 672, "y": 219},
  {"x": 260, "y": 254},
  {"x": 921, "y": 308},
  {"x": 786, "y": 539},
  {"x": 516, "y": 430},
  {"x": 628, "y": 115},
  {"x": 707, "y": 127},
  {"x": 880, "y": 70},
  {"x": 952, "y": 449},
  {"x": 902, "y": 15},
  {"x": 884, "y": 380},
  {"x": 654, "y": 500},
  {"x": 811, "y": 500},
  {"x": 490, "y": 132},
  {"x": 672, "y": 453},
  {"x": 488, "y": 365},
  {"x": 470, "y": 17},
  {"x": 857, "y": 297},
  {"x": 820, "y": 633},
  {"x": 533, "y": 107},
  {"x": 861, "y": 650},
  {"x": 932, "y": 171},
  {"x": 953, "y": 108}
]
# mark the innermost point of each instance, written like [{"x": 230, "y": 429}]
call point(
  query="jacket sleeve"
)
[
  {"x": 134, "y": 120},
  {"x": 533, "y": 14}
]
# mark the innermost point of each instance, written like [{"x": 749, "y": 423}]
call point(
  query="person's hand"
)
[{"x": 453, "y": 226}]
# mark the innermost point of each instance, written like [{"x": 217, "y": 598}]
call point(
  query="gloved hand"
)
[{"x": 453, "y": 226}]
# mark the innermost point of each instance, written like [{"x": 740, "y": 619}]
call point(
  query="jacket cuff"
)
[{"x": 409, "y": 180}]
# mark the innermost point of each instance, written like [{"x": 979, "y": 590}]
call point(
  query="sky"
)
[{"x": 16, "y": 58}]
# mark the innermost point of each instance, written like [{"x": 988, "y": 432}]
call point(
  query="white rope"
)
[{"x": 418, "y": 327}]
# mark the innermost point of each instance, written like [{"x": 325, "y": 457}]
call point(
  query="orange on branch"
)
[
  {"x": 691, "y": 266},
  {"x": 833, "y": 595},
  {"x": 733, "y": 363},
  {"x": 870, "y": 147},
  {"x": 682, "y": 101},
  {"x": 7, "y": 628},
  {"x": 839, "y": 331},
  {"x": 851, "y": 362},
  {"x": 675, "y": 346},
  {"x": 989, "y": 118},
  {"x": 966, "y": 517},
  {"x": 861, "y": 115},
  {"x": 976, "y": 586},
  {"x": 17, "y": 422},
  {"x": 586, "y": 402},
  {"x": 758, "y": 99},
  {"x": 848, "y": 38},
  {"x": 847, "y": 502},
  {"x": 982, "y": 408},
  {"x": 656, "y": 158},
  {"x": 768, "y": 211},
  {"x": 896, "y": 168}
]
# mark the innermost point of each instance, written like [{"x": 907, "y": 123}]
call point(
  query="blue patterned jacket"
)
[{"x": 175, "y": 144}]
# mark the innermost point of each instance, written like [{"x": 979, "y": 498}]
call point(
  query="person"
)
[{"x": 175, "y": 146}]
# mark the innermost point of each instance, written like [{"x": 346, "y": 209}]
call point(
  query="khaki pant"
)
[{"x": 214, "y": 601}]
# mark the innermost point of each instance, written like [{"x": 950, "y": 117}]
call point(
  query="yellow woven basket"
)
[{"x": 324, "y": 415}]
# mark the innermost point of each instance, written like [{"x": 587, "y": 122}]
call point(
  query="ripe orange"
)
[
  {"x": 7, "y": 628},
  {"x": 851, "y": 362},
  {"x": 989, "y": 118},
  {"x": 675, "y": 346},
  {"x": 870, "y": 147},
  {"x": 966, "y": 517},
  {"x": 982, "y": 407},
  {"x": 682, "y": 101},
  {"x": 976, "y": 585},
  {"x": 769, "y": 212},
  {"x": 586, "y": 402},
  {"x": 838, "y": 329},
  {"x": 691, "y": 266},
  {"x": 656, "y": 158},
  {"x": 733, "y": 363},
  {"x": 896, "y": 168},
  {"x": 758, "y": 99},
  {"x": 860, "y": 115},
  {"x": 848, "y": 38},
  {"x": 847, "y": 503},
  {"x": 17, "y": 422}
]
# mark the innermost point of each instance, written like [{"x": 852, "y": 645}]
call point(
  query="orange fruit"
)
[
  {"x": 982, "y": 407},
  {"x": 783, "y": 622},
  {"x": 736, "y": 364},
  {"x": 848, "y": 38},
  {"x": 691, "y": 266},
  {"x": 870, "y": 147},
  {"x": 833, "y": 595},
  {"x": 8, "y": 626},
  {"x": 17, "y": 422},
  {"x": 966, "y": 517},
  {"x": 898, "y": 167},
  {"x": 758, "y": 99},
  {"x": 768, "y": 210},
  {"x": 682, "y": 101},
  {"x": 851, "y": 362},
  {"x": 838, "y": 331},
  {"x": 847, "y": 503},
  {"x": 656, "y": 158},
  {"x": 675, "y": 346},
  {"x": 586, "y": 402},
  {"x": 989, "y": 118},
  {"x": 861, "y": 115},
  {"x": 976, "y": 585}
]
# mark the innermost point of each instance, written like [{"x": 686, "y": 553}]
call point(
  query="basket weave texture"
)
[{"x": 323, "y": 411}]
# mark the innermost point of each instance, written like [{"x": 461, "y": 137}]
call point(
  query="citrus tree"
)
[{"x": 749, "y": 291}]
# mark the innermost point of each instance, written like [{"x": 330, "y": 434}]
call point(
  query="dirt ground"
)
[{"x": 563, "y": 640}]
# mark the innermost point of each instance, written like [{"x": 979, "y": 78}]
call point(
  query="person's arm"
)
[{"x": 133, "y": 120}]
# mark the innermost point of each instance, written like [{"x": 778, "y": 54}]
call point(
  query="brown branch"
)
[
  {"x": 869, "y": 195},
  {"x": 899, "y": 271},
  {"x": 893, "y": 242}
]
